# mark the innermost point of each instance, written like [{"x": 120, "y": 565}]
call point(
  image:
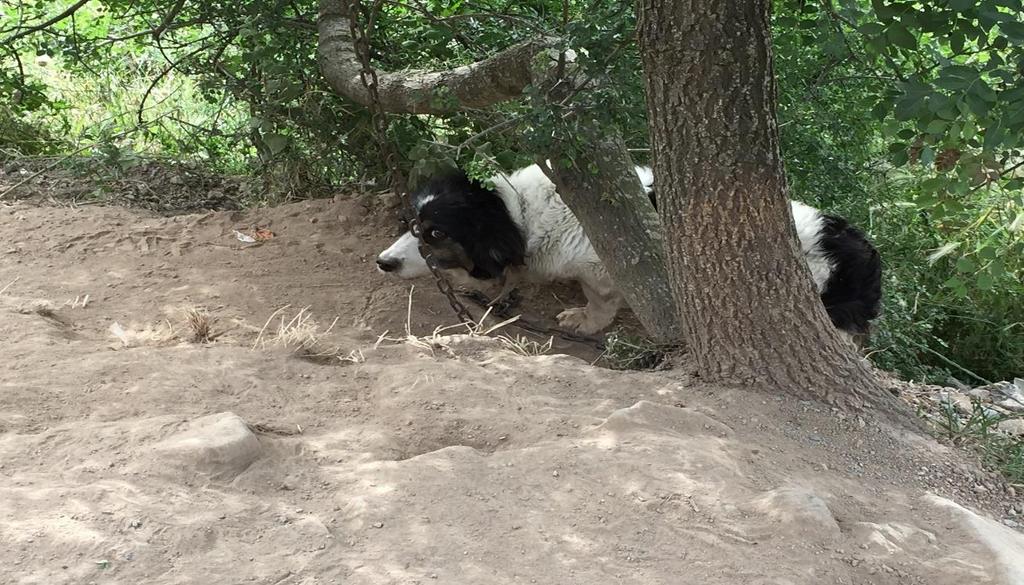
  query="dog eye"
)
[{"x": 437, "y": 235}]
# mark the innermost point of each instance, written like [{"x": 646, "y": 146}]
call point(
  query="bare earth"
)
[{"x": 132, "y": 454}]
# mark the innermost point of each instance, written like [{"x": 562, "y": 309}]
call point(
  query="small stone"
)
[
  {"x": 980, "y": 489},
  {"x": 378, "y": 525},
  {"x": 554, "y": 473},
  {"x": 980, "y": 394},
  {"x": 1010, "y": 491},
  {"x": 1013, "y": 426},
  {"x": 962, "y": 403},
  {"x": 1011, "y": 523}
]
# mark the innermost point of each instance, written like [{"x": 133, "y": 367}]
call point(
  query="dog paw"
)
[{"x": 577, "y": 320}]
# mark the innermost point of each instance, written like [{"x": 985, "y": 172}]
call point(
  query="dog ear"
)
[{"x": 496, "y": 248}]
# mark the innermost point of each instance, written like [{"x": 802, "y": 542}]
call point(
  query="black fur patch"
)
[
  {"x": 853, "y": 292},
  {"x": 472, "y": 217}
]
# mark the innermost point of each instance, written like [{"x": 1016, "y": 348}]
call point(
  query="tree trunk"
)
[
  {"x": 610, "y": 201},
  {"x": 752, "y": 316}
]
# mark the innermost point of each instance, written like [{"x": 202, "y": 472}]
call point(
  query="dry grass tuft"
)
[
  {"x": 303, "y": 336},
  {"x": 524, "y": 346},
  {"x": 438, "y": 341},
  {"x": 200, "y": 323}
]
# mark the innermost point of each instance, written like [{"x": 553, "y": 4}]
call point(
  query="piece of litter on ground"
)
[
  {"x": 244, "y": 238},
  {"x": 262, "y": 234},
  {"x": 118, "y": 332}
]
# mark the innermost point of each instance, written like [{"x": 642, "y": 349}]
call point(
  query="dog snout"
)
[{"x": 388, "y": 264}]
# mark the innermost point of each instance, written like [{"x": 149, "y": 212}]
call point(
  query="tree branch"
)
[
  {"x": 484, "y": 83},
  {"x": 168, "y": 19},
  {"x": 34, "y": 29}
]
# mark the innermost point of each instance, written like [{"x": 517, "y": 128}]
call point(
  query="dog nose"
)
[{"x": 388, "y": 264}]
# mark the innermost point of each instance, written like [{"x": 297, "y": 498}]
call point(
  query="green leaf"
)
[
  {"x": 965, "y": 265},
  {"x": 936, "y": 127},
  {"x": 961, "y": 5},
  {"x": 881, "y": 110},
  {"x": 1013, "y": 30},
  {"x": 927, "y": 156},
  {"x": 275, "y": 142},
  {"x": 935, "y": 184},
  {"x": 900, "y": 158},
  {"x": 871, "y": 29},
  {"x": 985, "y": 281},
  {"x": 969, "y": 130},
  {"x": 900, "y": 36},
  {"x": 884, "y": 12},
  {"x": 957, "y": 40},
  {"x": 957, "y": 286},
  {"x": 993, "y": 137},
  {"x": 897, "y": 147},
  {"x": 976, "y": 105},
  {"x": 988, "y": 253},
  {"x": 907, "y": 107}
]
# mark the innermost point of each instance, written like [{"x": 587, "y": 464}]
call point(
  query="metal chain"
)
[{"x": 378, "y": 117}]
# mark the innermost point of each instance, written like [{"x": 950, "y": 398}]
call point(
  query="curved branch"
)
[
  {"x": 168, "y": 19},
  {"x": 484, "y": 83},
  {"x": 34, "y": 29}
]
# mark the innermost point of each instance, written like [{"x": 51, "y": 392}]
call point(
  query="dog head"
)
[{"x": 459, "y": 224}]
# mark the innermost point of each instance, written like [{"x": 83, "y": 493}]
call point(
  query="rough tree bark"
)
[
  {"x": 610, "y": 203},
  {"x": 752, "y": 315},
  {"x": 608, "y": 200}
]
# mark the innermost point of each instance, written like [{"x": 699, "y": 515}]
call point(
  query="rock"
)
[
  {"x": 1012, "y": 404},
  {"x": 980, "y": 394},
  {"x": 220, "y": 445},
  {"x": 1013, "y": 426},
  {"x": 1009, "y": 395},
  {"x": 798, "y": 510},
  {"x": 962, "y": 403}
]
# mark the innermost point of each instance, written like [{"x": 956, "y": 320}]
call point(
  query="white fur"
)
[
  {"x": 406, "y": 250},
  {"x": 809, "y": 223},
  {"x": 557, "y": 248}
]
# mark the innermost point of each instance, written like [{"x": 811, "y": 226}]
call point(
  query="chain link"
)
[{"x": 378, "y": 118}]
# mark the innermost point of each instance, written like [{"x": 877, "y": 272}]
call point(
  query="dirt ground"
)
[{"x": 131, "y": 452}]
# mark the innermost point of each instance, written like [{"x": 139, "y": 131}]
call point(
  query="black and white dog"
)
[{"x": 522, "y": 227}]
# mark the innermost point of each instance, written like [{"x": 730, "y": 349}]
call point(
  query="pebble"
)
[
  {"x": 980, "y": 394},
  {"x": 378, "y": 525}
]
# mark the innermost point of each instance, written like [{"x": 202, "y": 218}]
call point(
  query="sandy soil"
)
[{"x": 132, "y": 453}]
